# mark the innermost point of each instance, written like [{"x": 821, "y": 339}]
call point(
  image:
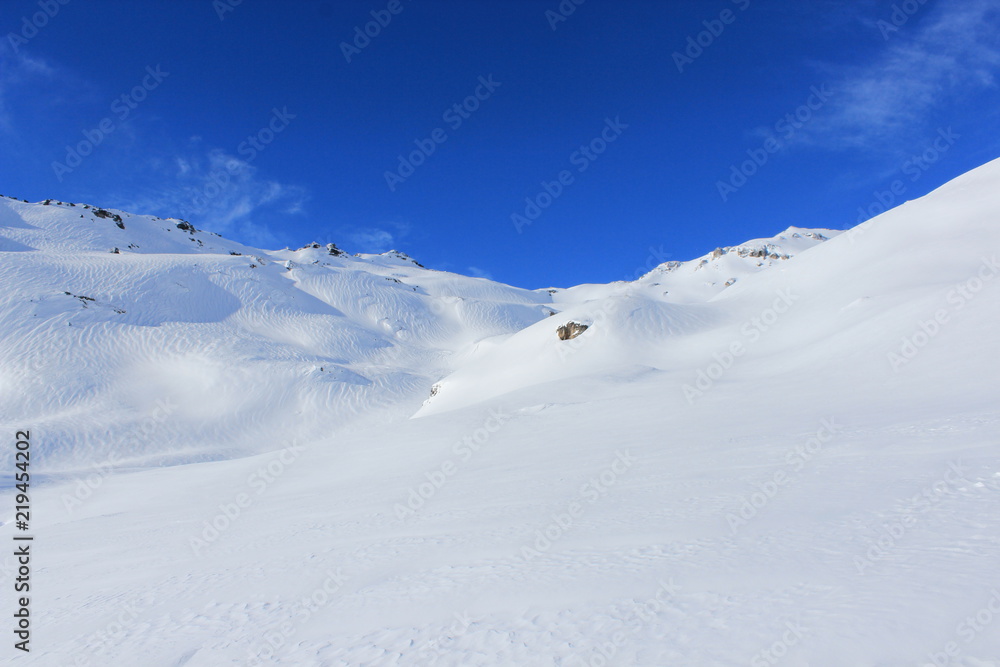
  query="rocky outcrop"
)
[
  {"x": 766, "y": 252},
  {"x": 571, "y": 330},
  {"x": 403, "y": 256},
  {"x": 331, "y": 249},
  {"x": 101, "y": 213}
]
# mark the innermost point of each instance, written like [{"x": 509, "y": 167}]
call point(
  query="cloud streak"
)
[
  {"x": 951, "y": 52},
  {"x": 373, "y": 239},
  {"x": 219, "y": 192},
  {"x": 17, "y": 70}
]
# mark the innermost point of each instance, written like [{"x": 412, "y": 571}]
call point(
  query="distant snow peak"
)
[
  {"x": 395, "y": 254},
  {"x": 784, "y": 246}
]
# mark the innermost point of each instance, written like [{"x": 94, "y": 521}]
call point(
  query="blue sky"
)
[{"x": 589, "y": 142}]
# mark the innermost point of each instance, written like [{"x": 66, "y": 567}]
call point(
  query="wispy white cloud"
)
[
  {"x": 372, "y": 240},
  {"x": 385, "y": 236},
  {"x": 16, "y": 70},
  {"x": 950, "y": 52},
  {"x": 216, "y": 191},
  {"x": 210, "y": 187},
  {"x": 476, "y": 272}
]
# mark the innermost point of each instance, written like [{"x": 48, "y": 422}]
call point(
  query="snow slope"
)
[
  {"x": 239, "y": 344},
  {"x": 798, "y": 468}
]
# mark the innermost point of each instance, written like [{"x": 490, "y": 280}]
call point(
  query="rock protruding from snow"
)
[
  {"x": 402, "y": 256},
  {"x": 571, "y": 330},
  {"x": 705, "y": 277}
]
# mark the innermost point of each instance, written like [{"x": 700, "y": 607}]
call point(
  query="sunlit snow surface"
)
[{"x": 787, "y": 458}]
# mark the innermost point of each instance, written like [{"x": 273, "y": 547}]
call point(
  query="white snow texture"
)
[{"x": 782, "y": 453}]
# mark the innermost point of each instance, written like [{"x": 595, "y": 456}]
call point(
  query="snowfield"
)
[{"x": 782, "y": 453}]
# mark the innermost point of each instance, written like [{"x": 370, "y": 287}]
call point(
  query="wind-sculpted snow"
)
[
  {"x": 798, "y": 467},
  {"x": 268, "y": 332},
  {"x": 242, "y": 344}
]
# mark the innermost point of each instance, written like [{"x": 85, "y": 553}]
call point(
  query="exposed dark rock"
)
[
  {"x": 571, "y": 330},
  {"x": 101, "y": 213},
  {"x": 403, "y": 256},
  {"x": 83, "y": 299}
]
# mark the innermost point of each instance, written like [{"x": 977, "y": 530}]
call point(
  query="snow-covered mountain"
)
[
  {"x": 117, "y": 313},
  {"x": 106, "y": 314},
  {"x": 781, "y": 453}
]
